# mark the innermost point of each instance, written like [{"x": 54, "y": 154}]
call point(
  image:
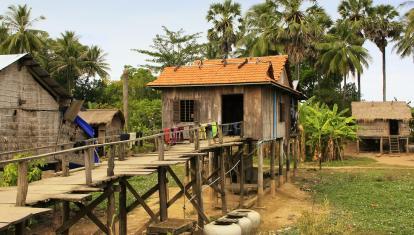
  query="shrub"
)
[{"x": 9, "y": 176}]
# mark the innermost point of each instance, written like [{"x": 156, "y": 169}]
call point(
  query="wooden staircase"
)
[{"x": 394, "y": 141}]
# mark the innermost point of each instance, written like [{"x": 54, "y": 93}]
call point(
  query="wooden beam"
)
[
  {"x": 223, "y": 182},
  {"x": 260, "y": 185},
  {"x": 272, "y": 168},
  {"x": 242, "y": 175},
  {"x": 145, "y": 196},
  {"x": 110, "y": 212},
  {"x": 287, "y": 175},
  {"x": 93, "y": 217},
  {"x": 111, "y": 161},
  {"x": 160, "y": 143},
  {"x": 122, "y": 208},
  {"x": 141, "y": 200},
  {"x": 65, "y": 215},
  {"x": 197, "y": 188},
  {"x": 88, "y": 165},
  {"x": 280, "y": 168},
  {"x": 197, "y": 136},
  {"x": 22, "y": 183}
]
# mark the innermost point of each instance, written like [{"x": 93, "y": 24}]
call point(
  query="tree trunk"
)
[
  {"x": 344, "y": 90},
  {"x": 384, "y": 76},
  {"x": 359, "y": 86}
]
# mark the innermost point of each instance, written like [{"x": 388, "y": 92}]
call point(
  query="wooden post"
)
[
  {"x": 111, "y": 161},
  {"x": 242, "y": 175},
  {"x": 272, "y": 168},
  {"x": 187, "y": 173},
  {"x": 295, "y": 157},
  {"x": 162, "y": 184},
  {"x": 198, "y": 189},
  {"x": 22, "y": 183},
  {"x": 260, "y": 191},
  {"x": 88, "y": 165},
  {"x": 280, "y": 168},
  {"x": 287, "y": 179},
  {"x": 65, "y": 215},
  {"x": 121, "y": 152},
  {"x": 211, "y": 168},
  {"x": 122, "y": 207},
  {"x": 407, "y": 150},
  {"x": 223, "y": 183},
  {"x": 65, "y": 163},
  {"x": 197, "y": 137},
  {"x": 160, "y": 148},
  {"x": 220, "y": 133},
  {"x": 357, "y": 146},
  {"x": 381, "y": 145},
  {"x": 110, "y": 212},
  {"x": 125, "y": 96}
]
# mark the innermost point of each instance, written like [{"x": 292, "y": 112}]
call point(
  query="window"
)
[
  {"x": 281, "y": 110},
  {"x": 186, "y": 110}
]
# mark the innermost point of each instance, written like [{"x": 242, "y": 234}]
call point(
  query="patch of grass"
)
[
  {"x": 348, "y": 161},
  {"x": 380, "y": 201}
]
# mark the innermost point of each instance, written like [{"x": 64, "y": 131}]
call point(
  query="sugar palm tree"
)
[
  {"x": 226, "y": 19},
  {"x": 383, "y": 25},
  {"x": 342, "y": 54},
  {"x": 69, "y": 60},
  {"x": 22, "y": 36},
  {"x": 356, "y": 11}
]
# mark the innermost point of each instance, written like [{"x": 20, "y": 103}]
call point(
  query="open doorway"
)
[
  {"x": 232, "y": 111},
  {"x": 394, "y": 128}
]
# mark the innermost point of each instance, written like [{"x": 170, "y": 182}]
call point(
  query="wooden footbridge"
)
[{"x": 222, "y": 152}]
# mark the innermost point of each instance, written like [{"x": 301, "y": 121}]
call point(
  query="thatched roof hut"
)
[
  {"x": 106, "y": 122},
  {"x": 392, "y": 110}
]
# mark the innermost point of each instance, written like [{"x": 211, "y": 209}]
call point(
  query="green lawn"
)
[
  {"x": 379, "y": 201},
  {"x": 349, "y": 161}
]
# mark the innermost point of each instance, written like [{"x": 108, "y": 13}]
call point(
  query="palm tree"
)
[
  {"x": 69, "y": 59},
  {"x": 95, "y": 62},
  {"x": 294, "y": 34},
  {"x": 383, "y": 25},
  {"x": 342, "y": 54},
  {"x": 23, "y": 37},
  {"x": 263, "y": 23},
  {"x": 405, "y": 45},
  {"x": 356, "y": 11},
  {"x": 3, "y": 35},
  {"x": 226, "y": 18}
]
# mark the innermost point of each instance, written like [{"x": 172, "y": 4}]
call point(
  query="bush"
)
[{"x": 9, "y": 176}]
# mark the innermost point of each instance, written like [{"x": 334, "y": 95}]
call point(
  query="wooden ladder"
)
[{"x": 394, "y": 144}]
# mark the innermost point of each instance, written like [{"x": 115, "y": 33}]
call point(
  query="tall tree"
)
[
  {"x": 342, "y": 54},
  {"x": 69, "y": 59},
  {"x": 356, "y": 11},
  {"x": 95, "y": 62},
  {"x": 174, "y": 48},
  {"x": 227, "y": 25},
  {"x": 405, "y": 45},
  {"x": 23, "y": 37},
  {"x": 262, "y": 23},
  {"x": 381, "y": 27}
]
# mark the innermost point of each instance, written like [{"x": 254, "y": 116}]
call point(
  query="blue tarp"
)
[{"x": 90, "y": 132}]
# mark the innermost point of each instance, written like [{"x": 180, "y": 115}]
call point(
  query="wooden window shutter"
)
[
  {"x": 196, "y": 111},
  {"x": 176, "y": 111}
]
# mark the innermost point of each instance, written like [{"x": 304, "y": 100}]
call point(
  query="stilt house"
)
[
  {"x": 382, "y": 125},
  {"x": 256, "y": 91}
]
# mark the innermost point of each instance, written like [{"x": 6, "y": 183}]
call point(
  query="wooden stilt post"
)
[
  {"x": 65, "y": 163},
  {"x": 162, "y": 183},
  {"x": 88, "y": 155},
  {"x": 198, "y": 188},
  {"x": 22, "y": 183},
  {"x": 65, "y": 215},
  {"x": 187, "y": 173},
  {"x": 211, "y": 168},
  {"x": 381, "y": 145},
  {"x": 357, "y": 146},
  {"x": 122, "y": 207},
  {"x": 272, "y": 168},
  {"x": 280, "y": 168},
  {"x": 407, "y": 150},
  {"x": 288, "y": 162},
  {"x": 295, "y": 157},
  {"x": 223, "y": 183},
  {"x": 260, "y": 191},
  {"x": 111, "y": 162},
  {"x": 249, "y": 161},
  {"x": 110, "y": 212},
  {"x": 242, "y": 175}
]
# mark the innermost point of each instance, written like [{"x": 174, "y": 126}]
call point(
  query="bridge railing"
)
[{"x": 88, "y": 152}]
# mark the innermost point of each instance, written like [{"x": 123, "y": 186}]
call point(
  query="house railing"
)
[{"x": 88, "y": 153}]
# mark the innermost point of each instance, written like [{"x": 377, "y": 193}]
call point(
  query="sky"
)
[{"x": 119, "y": 26}]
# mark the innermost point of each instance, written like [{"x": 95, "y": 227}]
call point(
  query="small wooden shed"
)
[
  {"x": 382, "y": 124},
  {"x": 107, "y": 123},
  {"x": 257, "y": 91}
]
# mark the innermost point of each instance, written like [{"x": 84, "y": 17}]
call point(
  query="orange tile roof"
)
[{"x": 257, "y": 70}]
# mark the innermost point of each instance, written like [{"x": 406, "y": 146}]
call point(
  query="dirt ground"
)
[
  {"x": 280, "y": 211},
  {"x": 402, "y": 159}
]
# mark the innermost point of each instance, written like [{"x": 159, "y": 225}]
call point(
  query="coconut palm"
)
[
  {"x": 342, "y": 54},
  {"x": 95, "y": 62},
  {"x": 405, "y": 45},
  {"x": 23, "y": 37},
  {"x": 69, "y": 59},
  {"x": 263, "y": 23},
  {"x": 383, "y": 25},
  {"x": 356, "y": 11},
  {"x": 226, "y": 19}
]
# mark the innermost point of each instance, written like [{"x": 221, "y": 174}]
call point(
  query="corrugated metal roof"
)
[
  {"x": 6, "y": 60},
  {"x": 42, "y": 76}
]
